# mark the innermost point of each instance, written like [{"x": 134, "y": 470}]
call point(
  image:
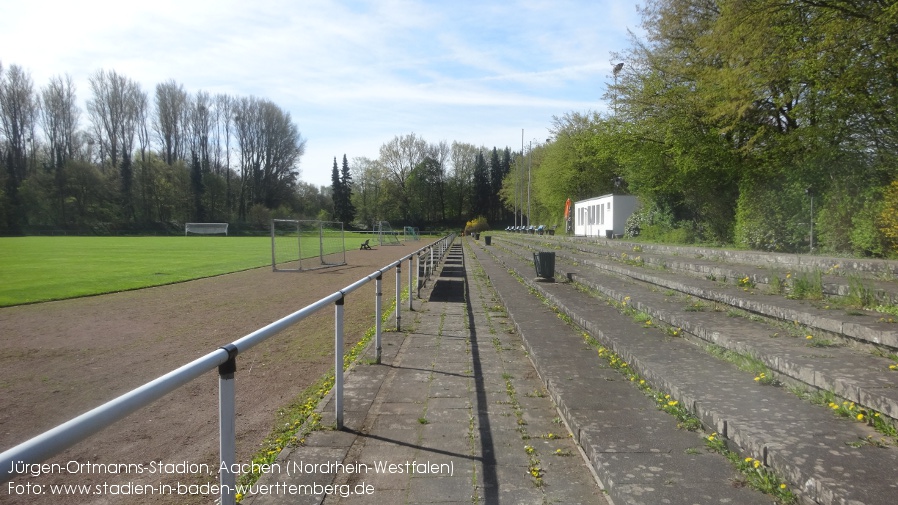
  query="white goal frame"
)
[
  {"x": 206, "y": 228},
  {"x": 298, "y": 245},
  {"x": 386, "y": 235}
]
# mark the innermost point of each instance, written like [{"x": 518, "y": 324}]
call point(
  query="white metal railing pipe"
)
[{"x": 73, "y": 431}]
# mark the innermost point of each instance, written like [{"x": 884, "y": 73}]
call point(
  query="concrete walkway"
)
[{"x": 456, "y": 413}]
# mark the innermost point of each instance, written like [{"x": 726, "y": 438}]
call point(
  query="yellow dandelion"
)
[
  {"x": 809, "y": 337},
  {"x": 748, "y": 459},
  {"x": 673, "y": 403},
  {"x": 860, "y": 417},
  {"x": 757, "y": 379},
  {"x": 782, "y": 486},
  {"x": 756, "y": 463}
]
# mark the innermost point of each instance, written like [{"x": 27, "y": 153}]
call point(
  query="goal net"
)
[
  {"x": 411, "y": 233},
  {"x": 386, "y": 235},
  {"x": 306, "y": 245},
  {"x": 206, "y": 228}
]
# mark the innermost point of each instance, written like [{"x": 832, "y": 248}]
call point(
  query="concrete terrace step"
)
[
  {"x": 869, "y": 268},
  {"x": 637, "y": 450},
  {"x": 815, "y": 451},
  {"x": 854, "y": 374},
  {"x": 866, "y": 328},
  {"x": 839, "y": 278}
]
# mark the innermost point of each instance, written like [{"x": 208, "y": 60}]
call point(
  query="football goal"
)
[
  {"x": 386, "y": 235},
  {"x": 306, "y": 245},
  {"x": 206, "y": 228},
  {"x": 410, "y": 233}
]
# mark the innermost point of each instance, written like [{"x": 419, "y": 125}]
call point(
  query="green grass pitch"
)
[{"x": 36, "y": 269}]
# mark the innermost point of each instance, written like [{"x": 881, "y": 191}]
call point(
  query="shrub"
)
[{"x": 476, "y": 225}]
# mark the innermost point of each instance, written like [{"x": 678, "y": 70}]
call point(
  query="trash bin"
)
[
  {"x": 609, "y": 233},
  {"x": 488, "y": 239},
  {"x": 476, "y": 236},
  {"x": 545, "y": 264}
]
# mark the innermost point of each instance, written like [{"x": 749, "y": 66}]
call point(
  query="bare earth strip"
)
[{"x": 60, "y": 359}]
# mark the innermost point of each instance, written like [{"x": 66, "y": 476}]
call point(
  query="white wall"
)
[{"x": 594, "y": 217}]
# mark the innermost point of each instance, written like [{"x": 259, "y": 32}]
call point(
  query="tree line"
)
[
  {"x": 731, "y": 118},
  {"x": 418, "y": 183},
  {"x": 173, "y": 157},
  {"x": 139, "y": 162}
]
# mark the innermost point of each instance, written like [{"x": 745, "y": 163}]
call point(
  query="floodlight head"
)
[{"x": 618, "y": 68}]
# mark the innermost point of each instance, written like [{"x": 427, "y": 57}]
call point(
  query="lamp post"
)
[
  {"x": 529, "y": 179},
  {"x": 617, "y": 69}
]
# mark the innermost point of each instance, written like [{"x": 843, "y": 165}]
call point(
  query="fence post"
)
[
  {"x": 227, "y": 424},
  {"x": 418, "y": 270},
  {"x": 410, "y": 297},
  {"x": 431, "y": 262},
  {"x": 338, "y": 361},
  {"x": 398, "y": 295},
  {"x": 378, "y": 295}
]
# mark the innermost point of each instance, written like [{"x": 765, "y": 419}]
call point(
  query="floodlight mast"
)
[{"x": 615, "y": 71}]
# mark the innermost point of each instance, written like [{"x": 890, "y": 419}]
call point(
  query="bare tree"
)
[
  {"x": 224, "y": 107},
  {"x": 115, "y": 114},
  {"x": 18, "y": 111},
  {"x": 270, "y": 147},
  {"x": 59, "y": 115},
  {"x": 168, "y": 122}
]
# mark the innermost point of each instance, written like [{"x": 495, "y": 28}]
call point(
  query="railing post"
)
[
  {"x": 431, "y": 263},
  {"x": 378, "y": 308},
  {"x": 227, "y": 424},
  {"x": 410, "y": 291},
  {"x": 398, "y": 296},
  {"x": 418, "y": 271},
  {"x": 338, "y": 361}
]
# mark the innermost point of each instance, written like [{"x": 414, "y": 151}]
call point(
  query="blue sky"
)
[{"x": 352, "y": 74}]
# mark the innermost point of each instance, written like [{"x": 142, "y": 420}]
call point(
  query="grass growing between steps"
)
[{"x": 753, "y": 471}]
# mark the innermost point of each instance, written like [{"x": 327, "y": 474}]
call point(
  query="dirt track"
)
[{"x": 60, "y": 359}]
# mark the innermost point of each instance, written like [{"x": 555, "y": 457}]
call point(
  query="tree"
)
[
  {"x": 482, "y": 191},
  {"x": 400, "y": 156},
  {"x": 18, "y": 110},
  {"x": 59, "y": 114},
  {"x": 347, "y": 214},
  {"x": 370, "y": 180},
  {"x": 169, "y": 120},
  {"x": 270, "y": 147}
]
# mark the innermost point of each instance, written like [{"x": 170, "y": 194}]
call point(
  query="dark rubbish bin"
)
[
  {"x": 488, "y": 239},
  {"x": 545, "y": 264}
]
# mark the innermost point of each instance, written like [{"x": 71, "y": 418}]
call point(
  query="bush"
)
[{"x": 476, "y": 225}]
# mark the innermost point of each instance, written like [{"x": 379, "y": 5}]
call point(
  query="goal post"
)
[
  {"x": 305, "y": 245},
  {"x": 206, "y": 228},
  {"x": 386, "y": 235},
  {"x": 411, "y": 233}
]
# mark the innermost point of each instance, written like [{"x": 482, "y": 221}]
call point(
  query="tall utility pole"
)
[
  {"x": 521, "y": 179},
  {"x": 529, "y": 180},
  {"x": 617, "y": 69}
]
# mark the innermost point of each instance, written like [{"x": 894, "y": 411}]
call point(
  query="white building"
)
[{"x": 603, "y": 216}]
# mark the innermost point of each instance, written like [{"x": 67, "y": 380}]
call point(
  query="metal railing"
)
[{"x": 56, "y": 440}]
